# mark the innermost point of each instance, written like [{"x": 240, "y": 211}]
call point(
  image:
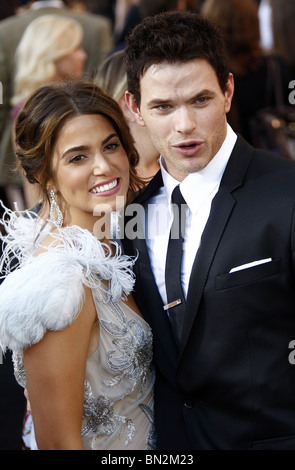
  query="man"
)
[
  {"x": 97, "y": 42},
  {"x": 224, "y": 376}
]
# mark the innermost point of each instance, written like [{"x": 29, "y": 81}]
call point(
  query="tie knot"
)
[{"x": 177, "y": 198}]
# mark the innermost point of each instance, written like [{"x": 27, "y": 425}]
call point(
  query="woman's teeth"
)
[{"x": 105, "y": 187}]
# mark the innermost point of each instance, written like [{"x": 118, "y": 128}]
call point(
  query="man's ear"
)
[
  {"x": 229, "y": 93},
  {"x": 132, "y": 105}
]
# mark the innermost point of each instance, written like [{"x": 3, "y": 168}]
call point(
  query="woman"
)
[
  {"x": 66, "y": 309},
  {"x": 49, "y": 50}
]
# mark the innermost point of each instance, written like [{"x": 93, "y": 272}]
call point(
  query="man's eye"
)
[
  {"x": 163, "y": 107},
  {"x": 202, "y": 100}
]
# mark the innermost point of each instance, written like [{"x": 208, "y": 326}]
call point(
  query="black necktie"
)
[{"x": 175, "y": 298}]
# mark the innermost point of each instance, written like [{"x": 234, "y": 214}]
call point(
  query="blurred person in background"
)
[
  {"x": 7, "y": 8},
  {"x": 112, "y": 78},
  {"x": 128, "y": 13},
  {"x": 103, "y": 7},
  {"x": 239, "y": 23},
  {"x": 283, "y": 19},
  {"x": 265, "y": 24}
]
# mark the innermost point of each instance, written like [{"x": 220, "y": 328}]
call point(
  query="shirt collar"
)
[
  {"x": 47, "y": 3},
  {"x": 198, "y": 186}
]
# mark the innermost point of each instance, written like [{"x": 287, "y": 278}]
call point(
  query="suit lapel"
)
[
  {"x": 153, "y": 309},
  {"x": 151, "y": 189},
  {"x": 222, "y": 206},
  {"x": 153, "y": 312}
]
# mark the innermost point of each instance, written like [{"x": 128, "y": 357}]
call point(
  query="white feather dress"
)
[{"x": 45, "y": 293}]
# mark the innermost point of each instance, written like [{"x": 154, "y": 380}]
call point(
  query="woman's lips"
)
[{"x": 107, "y": 188}]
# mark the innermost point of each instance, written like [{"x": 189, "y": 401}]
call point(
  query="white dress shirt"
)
[{"x": 198, "y": 190}]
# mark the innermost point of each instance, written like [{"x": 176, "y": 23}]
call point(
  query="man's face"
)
[{"x": 184, "y": 111}]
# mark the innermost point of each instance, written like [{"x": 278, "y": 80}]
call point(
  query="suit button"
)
[{"x": 189, "y": 403}]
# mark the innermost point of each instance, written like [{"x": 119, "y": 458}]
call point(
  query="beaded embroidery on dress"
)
[{"x": 118, "y": 393}]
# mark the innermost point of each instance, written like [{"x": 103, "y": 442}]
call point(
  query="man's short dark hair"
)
[{"x": 173, "y": 37}]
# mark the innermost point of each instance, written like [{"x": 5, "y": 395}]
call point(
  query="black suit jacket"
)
[{"x": 231, "y": 384}]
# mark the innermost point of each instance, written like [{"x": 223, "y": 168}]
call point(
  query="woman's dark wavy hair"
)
[
  {"x": 44, "y": 114},
  {"x": 173, "y": 37}
]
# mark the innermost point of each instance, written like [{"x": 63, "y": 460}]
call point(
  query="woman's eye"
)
[
  {"x": 111, "y": 146},
  {"x": 77, "y": 158}
]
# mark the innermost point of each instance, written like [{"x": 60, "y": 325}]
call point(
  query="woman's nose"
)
[{"x": 101, "y": 165}]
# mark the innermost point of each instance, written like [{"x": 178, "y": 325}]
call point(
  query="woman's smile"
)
[{"x": 107, "y": 188}]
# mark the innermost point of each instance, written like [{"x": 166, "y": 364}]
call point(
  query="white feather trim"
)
[{"x": 45, "y": 293}]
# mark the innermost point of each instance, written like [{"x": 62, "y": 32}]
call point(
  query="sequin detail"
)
[
  {"x": 151, "y": 437},
  {"x": 19, "y": 370},
  {"x": 102, "y": 419},
  {"x": 129, "y": 365},
  {"x": 132, "y": 355}
]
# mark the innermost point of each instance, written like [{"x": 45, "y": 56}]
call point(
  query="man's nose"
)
[{"x": 185, "y": 120}]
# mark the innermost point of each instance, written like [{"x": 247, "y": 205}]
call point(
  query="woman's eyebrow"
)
[
  {"x": 109, "y": 138},
  {"x": 80, "y": 148}
]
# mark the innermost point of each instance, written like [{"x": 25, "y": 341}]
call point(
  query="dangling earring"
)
[{"x": 55, "y": 208}]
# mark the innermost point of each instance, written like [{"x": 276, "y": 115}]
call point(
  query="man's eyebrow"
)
[
  {"x": 161, "y": 101},
  {"x": 158, "y": 102}
]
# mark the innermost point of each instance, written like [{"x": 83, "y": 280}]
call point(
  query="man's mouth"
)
[{"x": 188, "y": 148}]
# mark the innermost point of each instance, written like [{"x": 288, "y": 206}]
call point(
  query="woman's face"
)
[
  {"x": 71, "y": 65},
  {"x": 91, "y": 170}
]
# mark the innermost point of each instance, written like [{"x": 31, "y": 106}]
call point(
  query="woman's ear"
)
[
  {"x": 35, "y": 176},
  {"x": 51, "y": 186},
  {"x": 132, "y": 105}
]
